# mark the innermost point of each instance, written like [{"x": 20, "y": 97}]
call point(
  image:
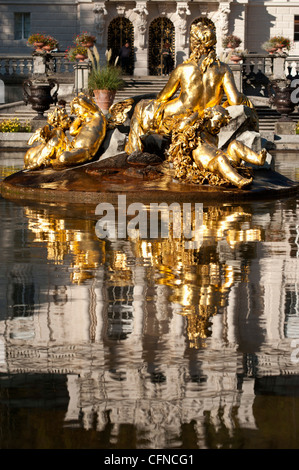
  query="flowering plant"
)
[
  {"x": 84, "y": 38},
  {"x": 52, "y": 42},
  {"x": 231, "y": 41},
  {"x": 14, "y": 125},
  {"x": 42, "y": 38},
  {"x": 280, "y": 40},
  {"x": 36, "y": 37},
  {"x": 73, "y": 51},
  {"x": 268, "y": 46}
]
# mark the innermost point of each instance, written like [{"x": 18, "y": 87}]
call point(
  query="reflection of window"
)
[
  {"x": 23, "y": 299},
  {"x": 296, "y": 28},
  {"x": 120, "y": 311},
  {"x": 22, "y": 25},
  {"x": 291, "y": 309}
]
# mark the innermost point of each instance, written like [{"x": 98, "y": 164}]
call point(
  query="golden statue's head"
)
[
  {"x": 215, "y": 118},
  {"x": 82, "y": 105},
  {"x": 203, "y": 34},
  {"x": 59, "y": 118}
]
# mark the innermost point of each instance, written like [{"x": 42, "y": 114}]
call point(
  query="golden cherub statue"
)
[
  {"x": 87, "y": 131},
  {"x": 195, "y": 154}
]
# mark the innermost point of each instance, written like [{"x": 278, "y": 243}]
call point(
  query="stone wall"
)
[{"x": 254, "y": 22}]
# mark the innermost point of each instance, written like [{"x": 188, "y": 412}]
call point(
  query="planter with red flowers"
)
[
  {"x": 42, "y": 42},
  {"x": 85, "y": 40}
]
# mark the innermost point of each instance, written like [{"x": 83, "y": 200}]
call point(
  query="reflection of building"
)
[
  {"x": 146, "y": 24},
  {"x": 119, "y": 335}
]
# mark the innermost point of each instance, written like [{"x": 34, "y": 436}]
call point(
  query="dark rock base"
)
[{"x": 104, "y": 180}]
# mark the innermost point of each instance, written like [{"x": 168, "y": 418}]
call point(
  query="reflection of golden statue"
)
[
  {"x": 197, "y": 143},
  {"x": 202, "y": 80},
  {"x": 84, "y": 251},
  {"x": 198, "y": 279},
  {"x": 88, "y": 131}
]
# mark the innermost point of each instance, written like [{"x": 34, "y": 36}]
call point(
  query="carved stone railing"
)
[
  {"x": 292, "y": 67},
  {"x": 16, "y": 65},
  {"x": 25, "y": 65},
  {"x": 259, "y": 69}
]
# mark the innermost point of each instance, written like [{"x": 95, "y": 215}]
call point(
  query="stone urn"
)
[
  {"x": 235, "y": 58},
  {"x": 281, "y": 99},
  {"x": 40, "y": 95}
]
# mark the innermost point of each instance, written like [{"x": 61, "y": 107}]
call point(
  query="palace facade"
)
[{"x": 147, "y": 25}]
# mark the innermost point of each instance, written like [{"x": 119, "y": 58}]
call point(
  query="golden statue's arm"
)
[
  {"x": 171, "y": 86},
  {"x": 234, "y": 97},
  {"x": 75, "y": 126}
]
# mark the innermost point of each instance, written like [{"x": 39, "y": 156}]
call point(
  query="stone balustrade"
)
[
  {"x": 26, "y": 65},
  {"x": 16, "y": 65},
  {"x": 252, "y": 75}
]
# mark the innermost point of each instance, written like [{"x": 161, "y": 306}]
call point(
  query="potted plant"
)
[
  {"x": 37, "y": 40},
  {"x": 280, "y": 42},
  {"x": 76, "y": 53},
  {"x": 103, "y": 80},
  {"x": 269, "y": 47},
  {"x": 85, "y": 39},
  {"x": 50, "y": 43},
  {"x": 231, "y": 41},
  {"x": 237, "y": 55}
]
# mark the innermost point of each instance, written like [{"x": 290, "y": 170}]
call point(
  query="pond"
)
[{"x": 140, "y": 343}]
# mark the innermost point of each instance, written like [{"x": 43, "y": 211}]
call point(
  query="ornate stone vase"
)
[
  {"x": 38, "y": 46},
  {"x": 39, "y": 95},
  {"x": 88, "y": 44},
  {"x": 281, "y": 99},
  {"x": 80, "y": 57},
  {"x": 235, "y": 59}
]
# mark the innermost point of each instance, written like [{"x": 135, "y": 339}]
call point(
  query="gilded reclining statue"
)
[{"x": 189, "y": 104}]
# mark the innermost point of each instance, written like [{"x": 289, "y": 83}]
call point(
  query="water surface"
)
[{"x": 144, "y": 344}]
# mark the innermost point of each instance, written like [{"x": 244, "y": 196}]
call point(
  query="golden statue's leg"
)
[
  {"x": 239, "y": 151},
  {"x": 221, "y": 165},
  {"x": 136, "y": 130},
  {"x": 134, "y": 142},
  {"x": 71, "y": 157},
  {"x": 40, "y": 155},
  {"x": 31, "y": 157},
  {"x": 144, "y": 119}
]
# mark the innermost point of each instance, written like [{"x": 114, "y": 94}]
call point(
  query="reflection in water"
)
[
  {"x": 176, "y": 347},
  {"x": 198, "y": 281}
]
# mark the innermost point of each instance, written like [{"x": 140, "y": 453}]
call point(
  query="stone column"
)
[
  {"x": 220, "y": 18},
  {"x": 182, "y": 13},
  {"x": 39, "y": 65},
  {"x": 140, "y": 27},
  {"x": 100, "y": 12},
  {"x": 81, "y": 76}
]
